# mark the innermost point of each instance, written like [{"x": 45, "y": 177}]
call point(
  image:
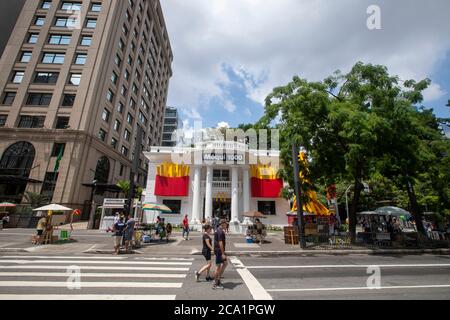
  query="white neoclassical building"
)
[{"x": 216, "y": 178}]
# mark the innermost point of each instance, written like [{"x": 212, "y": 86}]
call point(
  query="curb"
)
[
  {"x": 9, "y": 250},
  {"x": 338, "y": 252}
]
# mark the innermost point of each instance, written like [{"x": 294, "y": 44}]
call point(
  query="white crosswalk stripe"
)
[{"x": 100, "y": 278}]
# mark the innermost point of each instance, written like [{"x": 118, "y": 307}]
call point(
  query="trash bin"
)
[{"x": 64, "y": 235}]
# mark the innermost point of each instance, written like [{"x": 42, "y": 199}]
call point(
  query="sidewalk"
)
[{"x": 100, "y": 242}]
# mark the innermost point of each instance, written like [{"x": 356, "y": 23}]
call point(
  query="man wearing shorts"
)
[
  {"x": 118, "y": 230},
  {"x": 219, "y": 251}
]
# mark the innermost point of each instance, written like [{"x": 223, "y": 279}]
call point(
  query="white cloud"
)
[
  {"x": 433, "y": 93},
  {"x": 223, "y": 124},
  {"x": 269, "y": 41}
]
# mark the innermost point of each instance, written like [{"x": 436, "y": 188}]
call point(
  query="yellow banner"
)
[
  {"x": 265, "y": 172},
  {"x": 173, "y": 170}
]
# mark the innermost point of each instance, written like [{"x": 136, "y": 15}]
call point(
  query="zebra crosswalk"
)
[{"x": 91, "y": 277}]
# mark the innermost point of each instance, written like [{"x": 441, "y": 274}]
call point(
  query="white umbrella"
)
[
  {"x": 392, "y": 211},
  {"x": 53, "y": 207}
]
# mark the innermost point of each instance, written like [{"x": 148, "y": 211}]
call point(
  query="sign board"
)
[
  {"x": 114, "y": 203},
  {"x": 224, "y": 157}
]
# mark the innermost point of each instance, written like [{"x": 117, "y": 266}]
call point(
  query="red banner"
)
[
  {"x": 266, "y": 188},
  {"x": 172, "y": 187}
]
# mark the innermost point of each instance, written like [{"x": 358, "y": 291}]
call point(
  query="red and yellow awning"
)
[{"x": 172, "y": 180}]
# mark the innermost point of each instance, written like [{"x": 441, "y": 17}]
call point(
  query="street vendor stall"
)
[{"x": 54, "y": 220}]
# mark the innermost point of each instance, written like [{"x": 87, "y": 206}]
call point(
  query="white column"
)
[
  {"x": 209, "y": 193},
  {"x": 234, "y": 196},
  {"x": 196, "y": 198},
  {"x": 246, "y": 189}
]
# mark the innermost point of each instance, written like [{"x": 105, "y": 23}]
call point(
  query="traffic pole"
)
[{"x": 298, "y": 193}]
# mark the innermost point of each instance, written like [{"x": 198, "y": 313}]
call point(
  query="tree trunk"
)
[
  {"x": 414, "y": 207},
  {"x": 352, "y": 214}
]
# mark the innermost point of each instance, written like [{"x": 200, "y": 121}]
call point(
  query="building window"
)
[
  {"x": 46, "y": 77},
  {"x": 48, "y": 187},
  {"x": 96, "y": 7},
  {"x": 102, "y": 135},
  {"x": 220, "y": 175},
  {"x": 117, "y": 125},
  {"x": 31, "y": 122},
  {"x": 106, "y": 115},
  {"x": 59, "y": 39},
  {"x": 68, "y": 100},
  {"x": 130, "y": 119},
  {"x": 120, "y": 107},
  {"x": 110, "y": 96},
  {"x": 3, "y": 118},
  {"x": 58, "y": 148},
  {"x": 267, "y": 208},
  {"x": 114, "y": 78},
  {"x": 66, "y": 22},
  {"x": 71, "y": 6},
  {"x": 53, "y": 58},
  {"x": 81, "y": 59},
  {"x": 46, "y": 5},
  {"x": 33, "y": 38},
  {"x": 174, "y": 205},
  {"x": 39, "y": 21},
  {"x": 39, "y": 99},
  {"x": 8, "y": 98},
  {"x": 122, "y": 168},
  {"x": 121, "y": 45},
  {"x": 132, "y": 103},
  {"x": 124, "y": 151},
  {"x": 123, "y": 91},
  {"x": 114, "y": 143},
  {"x": 26, "y": 57},
  {"x": 127, "y": 75},
  {"x": 62, "y": 123},
  {"x": 75, "y": 79},
  {"x": 127, "y": 135},
  {"x": 118, "y": 61},
  {"x": 18, "y": 77},
  {"x": 86, "y": 41},
  {"x": 91, "y": 23}
]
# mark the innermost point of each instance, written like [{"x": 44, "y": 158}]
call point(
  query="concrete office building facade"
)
[{"x": 76, "y": 81}]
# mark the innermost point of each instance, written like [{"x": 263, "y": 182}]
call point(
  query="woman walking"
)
[{"x": 206, "y": 251}]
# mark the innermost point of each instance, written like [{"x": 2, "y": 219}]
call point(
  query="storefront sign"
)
[{"x": 225, "y": 157}]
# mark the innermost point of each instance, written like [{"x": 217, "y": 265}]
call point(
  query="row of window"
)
[
  {"x": 54, "y": 58},
  {"x": 63, "y": 22},
  {"x": 38, "y": 99},
  {"x": 60, "y": 39},
  {"x": 31, "y": 122},
  {"x": 46, "y": 77},
  {"x": 71, "y": 6}
]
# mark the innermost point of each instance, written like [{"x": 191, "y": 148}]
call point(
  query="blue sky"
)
[{"x": 228, "y": 55}]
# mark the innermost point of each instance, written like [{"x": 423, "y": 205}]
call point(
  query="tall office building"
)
[
  {"x": 76, "y": 81},
  {"x": 172, "y": 122}
]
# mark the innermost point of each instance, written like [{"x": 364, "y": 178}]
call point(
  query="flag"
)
[
  {"x": 58, "y": 159},
  {"x": 265, "y": 183},
  {"x": 172, "y": 180}
]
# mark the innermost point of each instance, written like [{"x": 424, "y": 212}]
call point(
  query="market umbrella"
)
[
  {"x": 5, "y": 205},
  {"x": 392, "y": 211},
  {"x": 368, "y": 213},
  {"x": 53, "y": 207},
  {"x": 254, "y": 214},
  {"x": 156, "y": 207}
]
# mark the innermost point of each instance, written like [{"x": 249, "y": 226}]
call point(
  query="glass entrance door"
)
[{"x": 222, "y": 208}]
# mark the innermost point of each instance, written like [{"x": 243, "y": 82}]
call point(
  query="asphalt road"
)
[{"x": 346, "y": 277}]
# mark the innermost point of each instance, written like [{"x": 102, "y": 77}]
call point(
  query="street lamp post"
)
[{"x": 298, "y": 192}]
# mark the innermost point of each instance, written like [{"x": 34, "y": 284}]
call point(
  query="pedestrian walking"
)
[
  {"x": 206, "y": 252},
  {"x": 128, "y": 234},
  {"x": 186, "y": 227},
  {"x": 219, "y": 251},
  {"x": 168, "y": 231},
  {"x": 5, "y": 220},
  {"x": 118, "y": 230}
]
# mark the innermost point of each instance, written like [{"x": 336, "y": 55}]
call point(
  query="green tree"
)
[{"x": 35, "y": 200}]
